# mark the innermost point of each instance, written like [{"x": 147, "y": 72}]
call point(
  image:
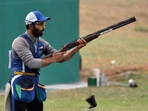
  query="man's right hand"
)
[{"x": 58, "y": 56}]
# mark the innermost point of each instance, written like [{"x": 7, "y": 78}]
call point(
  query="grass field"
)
[
  {"x": 108, "y": 98},
  {"x": 127, "y": 46}
]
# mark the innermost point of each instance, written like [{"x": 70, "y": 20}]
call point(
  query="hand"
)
[
  {"x": 58, "y": 56},
  {"x": 82, "y": 42}
]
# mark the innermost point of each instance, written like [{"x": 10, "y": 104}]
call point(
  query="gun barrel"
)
[
  {"x": 123, "y": 23},
  {"x": 116, "y": 26},
  {"x": 95, "y": 35}
]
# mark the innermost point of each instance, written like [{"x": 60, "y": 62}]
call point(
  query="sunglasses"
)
[{"x": 41, "y": 23}]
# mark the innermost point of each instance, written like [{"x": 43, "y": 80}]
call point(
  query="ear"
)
[{"x": 31, "y": 26}]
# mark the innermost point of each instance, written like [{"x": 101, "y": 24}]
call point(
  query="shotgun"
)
[{"x": 96, "y": 34}]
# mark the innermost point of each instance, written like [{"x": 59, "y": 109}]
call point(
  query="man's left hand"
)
[{"x": 82, "y": 42}]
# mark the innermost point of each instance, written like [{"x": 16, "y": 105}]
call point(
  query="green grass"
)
[
  {"x": 124, "y": 50},
  {"x": 108, "y": 98},
  {"x": 142, "y": 29},
  {"x": 112, "y": 98}
]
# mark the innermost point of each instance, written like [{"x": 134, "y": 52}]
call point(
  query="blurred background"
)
[{"x": 122, "y": 49}]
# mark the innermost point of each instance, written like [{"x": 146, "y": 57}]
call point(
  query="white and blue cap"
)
[{"x": 35, "y": 16}]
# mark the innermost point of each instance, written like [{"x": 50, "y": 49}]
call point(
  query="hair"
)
[{"x": 28, "y": 25}]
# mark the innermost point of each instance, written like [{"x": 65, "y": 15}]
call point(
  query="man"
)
[{"x": 27, "y": 93}]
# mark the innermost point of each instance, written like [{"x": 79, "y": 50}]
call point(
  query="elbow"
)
[
  {"x": 31, "y": 66},
  {"x": 34, "y": 64}
]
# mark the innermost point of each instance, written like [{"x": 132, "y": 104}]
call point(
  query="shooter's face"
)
[{"x": 38, "y": 29}]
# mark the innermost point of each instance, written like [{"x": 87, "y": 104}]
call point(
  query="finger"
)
[
  {"x": 80, "y": 40},
  {"x": 83, "y": 40},
  {"x": 61, "y": 53}
]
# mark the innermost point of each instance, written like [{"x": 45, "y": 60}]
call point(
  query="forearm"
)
[
  {"x": 40, "y": 62},
  {"x": 70, "y": 53},
  {"x": 63, "y": 56},
  {"x": 47, "y": 61}
]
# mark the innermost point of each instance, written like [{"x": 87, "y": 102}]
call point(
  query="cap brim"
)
[{"x": 44, "y": 19}]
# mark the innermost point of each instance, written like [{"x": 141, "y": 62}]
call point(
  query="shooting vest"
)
[
  {"x": 25, "y": 84},
  {"x": 18, "y": 66}
]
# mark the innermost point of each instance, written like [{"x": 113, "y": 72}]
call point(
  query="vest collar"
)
[{"x": 34, "y": 39}]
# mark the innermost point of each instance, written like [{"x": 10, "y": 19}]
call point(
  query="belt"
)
[{"x": 25, "y": 73}]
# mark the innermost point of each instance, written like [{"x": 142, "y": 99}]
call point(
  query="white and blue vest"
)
[
  {"x": 18, "y": 65},
  {"x": 23, "y": 87}
]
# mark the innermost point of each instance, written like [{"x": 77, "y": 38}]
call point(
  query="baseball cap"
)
[{"x": 35, "y": 16}]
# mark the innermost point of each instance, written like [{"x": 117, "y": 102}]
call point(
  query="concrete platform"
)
[
  {"x": 65, "y": 86},
  {"x": 60, "y": 87}
]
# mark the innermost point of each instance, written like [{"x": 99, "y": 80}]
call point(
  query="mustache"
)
[{"x": 38, "y": 32}]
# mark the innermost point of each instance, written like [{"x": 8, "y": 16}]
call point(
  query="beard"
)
[{"x": 37, "y": 32}]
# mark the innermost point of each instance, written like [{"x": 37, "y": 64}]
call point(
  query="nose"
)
[{"x": 44, "y": 26}]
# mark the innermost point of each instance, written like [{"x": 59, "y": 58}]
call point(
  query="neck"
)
[{"x": 29, "y": 32}]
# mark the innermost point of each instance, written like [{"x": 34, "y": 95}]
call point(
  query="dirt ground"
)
[{"x": 115, "y": 73}]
